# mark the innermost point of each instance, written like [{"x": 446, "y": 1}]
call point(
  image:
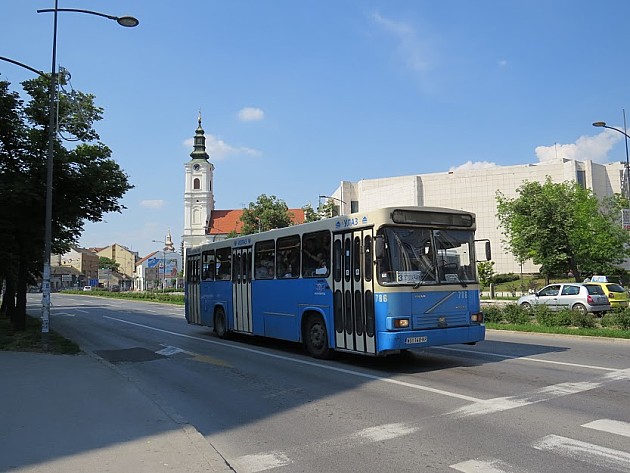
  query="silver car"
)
[{"x": 580, "y": 297}]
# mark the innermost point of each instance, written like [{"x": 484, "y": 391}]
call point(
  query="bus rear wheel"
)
[
  {"x": 316, "y": 338},
  {"x": 220, "y": 326}
]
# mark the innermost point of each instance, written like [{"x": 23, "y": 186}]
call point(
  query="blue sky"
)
[{"x": 297, "y": 96}]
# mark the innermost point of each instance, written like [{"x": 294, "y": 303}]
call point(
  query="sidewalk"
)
[{"x": 63, "y": 414}]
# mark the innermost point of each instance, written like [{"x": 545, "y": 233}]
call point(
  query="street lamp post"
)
[
  {"x": 625, "y": 134},
  {"x": 127, "y": 21},
  {"x": 333, "y": 198}
]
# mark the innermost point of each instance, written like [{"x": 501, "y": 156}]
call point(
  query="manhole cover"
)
[{"x": 136, "y": 354}]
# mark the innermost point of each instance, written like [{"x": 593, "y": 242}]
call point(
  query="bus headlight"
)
[
  {"x": 477, "y": 318},
  {"x": 401, "y": 323}
]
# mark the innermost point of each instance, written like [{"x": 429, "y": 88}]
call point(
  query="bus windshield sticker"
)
[{"x": 408, "y": 276}]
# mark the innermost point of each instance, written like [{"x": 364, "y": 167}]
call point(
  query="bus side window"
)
[
  {"x": 316, "y": 254},
  {"x": 264, "y": 259},
  {"x": 207, "y": 265},
  {"x": 223, "y": 264},
  {"x": 288, "y": 257}
]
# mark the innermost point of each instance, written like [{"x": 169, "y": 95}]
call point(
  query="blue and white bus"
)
[{"x": 372, "y": 283}]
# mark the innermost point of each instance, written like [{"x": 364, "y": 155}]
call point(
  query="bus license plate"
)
[{"x": 411, "y": 340}]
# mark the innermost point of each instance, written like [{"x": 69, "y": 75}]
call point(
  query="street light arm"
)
[
  {"x": 603, "y": 125},
  {"x": 21, "y": 64},
  {"x": 128, "y": 21},
  {"x": 333, "y": 198}
]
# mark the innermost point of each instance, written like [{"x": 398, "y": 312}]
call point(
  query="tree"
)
[
  {"x": 564, "y": 228},
  {"x": 267, "y": 213},
  {"x": 309, "y": 214},
  {"x": 485, "y": 269},
  {"x": 328, "y": 209},
  {"x": 87, "y": 183},
  {"x": 108, "y": 263}
]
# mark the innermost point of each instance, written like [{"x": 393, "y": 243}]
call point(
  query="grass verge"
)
[
  {"x": 31, "y": 339},
  {"x": 585, "y": 332}
]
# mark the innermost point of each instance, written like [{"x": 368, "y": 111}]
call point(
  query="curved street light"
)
[
  {"x": 627, "y": 169},
  {"x": 332, "y": 198},
  {"x": 127, "y": 21}
]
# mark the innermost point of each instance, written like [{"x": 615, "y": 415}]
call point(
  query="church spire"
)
[{"x": 199, "y": 149}]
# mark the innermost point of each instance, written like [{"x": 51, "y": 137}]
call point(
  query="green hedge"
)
[{"x": 541, "y": 316}]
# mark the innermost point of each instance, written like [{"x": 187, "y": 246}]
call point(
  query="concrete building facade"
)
[{"x": 475, "y": 190}]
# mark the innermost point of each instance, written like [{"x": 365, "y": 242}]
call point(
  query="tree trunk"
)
[
  {"x": 8, "y": 301},
  {"x": 20, "y": 308}
]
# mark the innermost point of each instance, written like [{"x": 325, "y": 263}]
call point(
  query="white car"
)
[
  {"x": 580, "y": 297},
  {"x": 87, "y": 288}
]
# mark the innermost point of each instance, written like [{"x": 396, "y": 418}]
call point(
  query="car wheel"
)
[
  {"x": 580, "y": 309},
  {"x": 526, "y": 305}
]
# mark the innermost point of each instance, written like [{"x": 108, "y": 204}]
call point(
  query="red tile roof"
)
[{"x": 223, "y": 222}]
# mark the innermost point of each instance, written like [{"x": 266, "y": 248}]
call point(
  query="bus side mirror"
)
[
  {"x": 379, "y": 247},
  {"x": 487, "y": 250}
]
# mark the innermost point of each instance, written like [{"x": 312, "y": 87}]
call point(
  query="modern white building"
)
[{"x": 475, "y": 190}]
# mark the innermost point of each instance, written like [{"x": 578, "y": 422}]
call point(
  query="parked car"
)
[
  {"x": 580, "y": 297},
  {"x": 617, "y": 295},
  {"x": 87, "y": 288}
]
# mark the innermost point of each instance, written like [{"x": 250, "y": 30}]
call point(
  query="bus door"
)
[
  {"x": 242, "y": 289},
  {"x": 193, "y": 297},
  {"x": 353, "y": 288}
]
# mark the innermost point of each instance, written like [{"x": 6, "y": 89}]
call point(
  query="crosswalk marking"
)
[
  {"x": 546, "y": 393},
  {"x": 261, "y": 462},
  {"x": 595, "y": 455},
  {"x": 384, "y": 432},
  {"x": 610, "y": 426},
  {"x": 485, "y": 466}
]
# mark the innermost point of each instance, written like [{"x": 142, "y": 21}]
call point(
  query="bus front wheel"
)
[
  {"x": 316, "y": 338},
  {"x": 220, "y": 327}
]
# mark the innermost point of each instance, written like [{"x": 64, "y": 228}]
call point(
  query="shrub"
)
[
  {"x": 515, "y": 314},
  {"x": 609, "y": 320},
  {"x": 622, "y": 319},
  {"x": 493, "y": 314},
  {"x": 501, "y": 278},
  {"x": 583, "y": 320},
  {"x": 564, "y": 318},
  {"x": 544, "y": 316}
]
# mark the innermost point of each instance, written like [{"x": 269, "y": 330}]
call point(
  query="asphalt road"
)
[{"x": 514, "y": 403}]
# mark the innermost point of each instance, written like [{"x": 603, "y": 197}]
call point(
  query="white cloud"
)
[
  {"x": 251, "y": 114},
  {"x": 502, "y": 63},
  {"x": 595, "y": 148},
  {"x": 152, "y": 204},
  {"x": 412, "y": 50},
  {"x": 219, "y": 149},
  {"x": 470, "y": 166}
]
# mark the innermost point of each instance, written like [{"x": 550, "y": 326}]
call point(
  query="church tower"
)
[{"x": 198, "y": 192}]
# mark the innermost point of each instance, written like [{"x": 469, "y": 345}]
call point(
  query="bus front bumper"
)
[{"x": 404, "y": 340}]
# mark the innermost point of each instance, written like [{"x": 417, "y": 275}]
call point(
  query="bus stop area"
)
[{"x": 64, "y": 413}]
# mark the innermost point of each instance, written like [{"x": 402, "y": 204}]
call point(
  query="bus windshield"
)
[{"x": 423, "y": 256}]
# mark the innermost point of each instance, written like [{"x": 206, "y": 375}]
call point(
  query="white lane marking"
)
[
  {"x": 308, "y": 363},
  {"x": 261, "y": 462},
  {"x": 65, "y": 314},
  {"x": 170, "y": 351},
  {"x": 485, "y": 466},
  {"x": 610, "y": 426},
  {"x": 384, "y": 432},
  {"x": 82, "y": 311},
  {"x": 546, "y": 393},
  {"x": 600, "y": 457},
  {"x": 525, "y": 358}
]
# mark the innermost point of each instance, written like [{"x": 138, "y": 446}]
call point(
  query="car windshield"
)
[{"x": 419, "y": 256}]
